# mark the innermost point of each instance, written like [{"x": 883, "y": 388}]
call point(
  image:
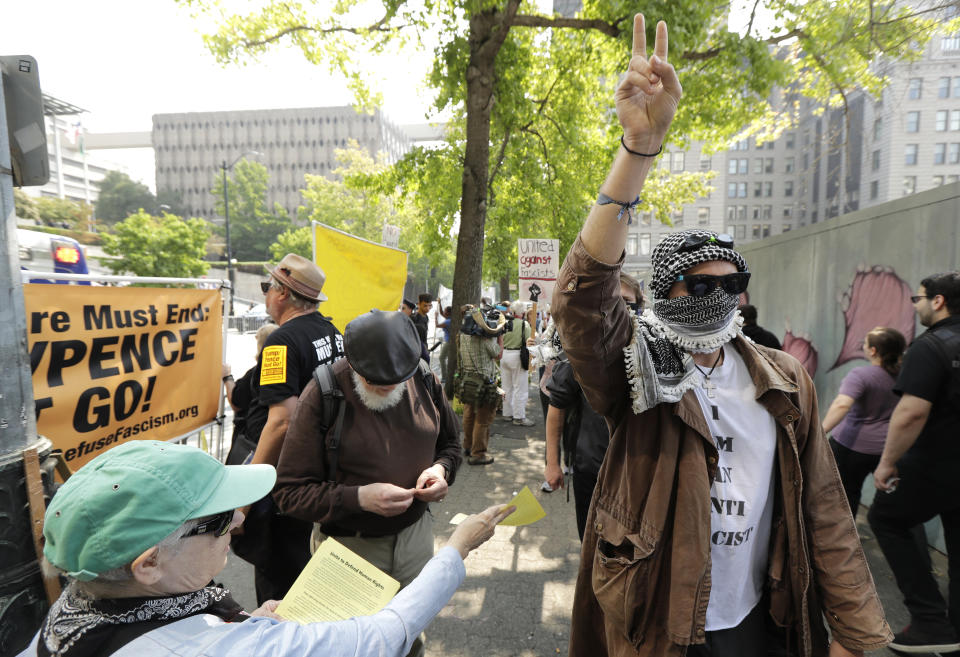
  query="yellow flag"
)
[{"x": 361, "y": 275}]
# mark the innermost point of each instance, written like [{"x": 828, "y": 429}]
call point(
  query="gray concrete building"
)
[{"x": 190, "y": 148}]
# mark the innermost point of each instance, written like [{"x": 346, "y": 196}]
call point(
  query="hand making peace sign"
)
[{"x": 648, "y": 95}]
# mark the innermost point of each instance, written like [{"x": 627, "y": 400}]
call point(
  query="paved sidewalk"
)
[{"x": 517, "y": 596}]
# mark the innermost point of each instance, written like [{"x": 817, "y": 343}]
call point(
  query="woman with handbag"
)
[
  {"x": 516, "y": 384},
  {"x": 479, "y": 348}
]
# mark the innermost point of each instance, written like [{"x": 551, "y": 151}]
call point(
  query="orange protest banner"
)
[{"x": 114, "y": 364}]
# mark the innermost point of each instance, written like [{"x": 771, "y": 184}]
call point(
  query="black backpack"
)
[{"x": 332, "y": 408}]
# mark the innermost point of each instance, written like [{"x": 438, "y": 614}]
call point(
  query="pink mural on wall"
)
[
  {"x": 801, "y": 347},
  {"x": 876, "y": 297}
]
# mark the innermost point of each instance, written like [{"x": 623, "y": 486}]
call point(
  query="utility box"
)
[{"x": 25, "y": 124}]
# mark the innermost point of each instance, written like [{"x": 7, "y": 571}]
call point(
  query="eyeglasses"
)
[
  {"x": 216, "y": 524},
  {"x": 915, "y": 298},
  {"x": 694, "y": 242},
  {"x": 700, "y": 285},
  {"x": 265, "y": 286}
]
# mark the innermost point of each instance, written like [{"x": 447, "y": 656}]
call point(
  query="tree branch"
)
[
  {"x": 536, "y": 20},
  {"x": 379, "y": 26},
  {"x": 693, "y": 56},
  {"x": 543, "y": 146},
  {"x": 496, "y": 168},
  {"x": 753, "y": 14}
]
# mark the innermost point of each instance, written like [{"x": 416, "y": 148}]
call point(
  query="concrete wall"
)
[{"x": 821, "y": 288}]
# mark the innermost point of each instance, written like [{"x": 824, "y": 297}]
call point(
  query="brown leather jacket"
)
[{"x": 644, "y": 578}]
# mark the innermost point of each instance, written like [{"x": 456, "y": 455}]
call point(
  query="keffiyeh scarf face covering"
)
[{"x": 659, "y": 366}]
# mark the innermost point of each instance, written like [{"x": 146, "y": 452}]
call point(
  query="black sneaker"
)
[{"x": 913, "y": 640}]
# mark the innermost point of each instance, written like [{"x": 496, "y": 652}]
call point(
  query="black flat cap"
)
[{"x": 382, "y": 347}]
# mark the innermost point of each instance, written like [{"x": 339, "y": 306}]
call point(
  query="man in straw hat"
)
[
  {"x": 141, "y": 530},
  {"x": 304, "y": 340},
  {"x": 718, "y": 525}
]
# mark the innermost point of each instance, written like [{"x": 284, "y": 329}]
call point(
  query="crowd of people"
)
[{"x": 716, "y": 518}]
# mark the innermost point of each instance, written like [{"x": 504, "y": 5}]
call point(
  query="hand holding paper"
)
[{"x": 475, "y": 530}]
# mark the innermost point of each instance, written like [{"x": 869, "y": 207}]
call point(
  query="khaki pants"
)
[
  {"x": 476, "y": 428},
  {"x": 402, "y": 555}
]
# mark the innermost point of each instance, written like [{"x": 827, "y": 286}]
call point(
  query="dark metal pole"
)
[
  {"x": 226, "y": 217},
  {"x": 23, "y": 602}
]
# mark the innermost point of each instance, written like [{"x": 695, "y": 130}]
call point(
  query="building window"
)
[
  {"x": 756, "y": 231},
  {"x": 788, "y": 188},
  {"x": 768, "y": 189},
  {"x": 956, "y": 87},
  {"x": 805, "y": 161},
  {"x": 768, "y": 164},
  {"x": 768, "y": 212},
  {"x": 790, "y": 139},
  {"x": 915, "y": 88},
  {"x": 951, "y": 42},
  {"x": 941, "y": 123},
  {"x": 937, "y": 181},
  {"x": 756, "y": 213},
  {"x": 678, "y": 218},
  {"x": 786, "y": 228},
  {"x": 766, "y": 230},
  {"x": 706, "y": 162},
  {"x": 732, "y": 166},
  {"x": 645, "y": 218},
  {"x": 743, "y": 165},
  {"x": 874, "y": 189},
  {"x": 952, "y": 179},
  {"x": 877, "y": 128},
  {"x": 644, "y": 243},
  {"x": 787, "y": 212},
  {"x": 731, "y": 212},
  {"x": 954, "y": 157},
  {"x": 910, "y": 154},
  {"x": 757, "y": 189},
  {"x": 631, "y": 245},
  {"x": 939, "y": 153},
  {"x": 731, "y": 230},
  {"x": 757, "y": 165},
  {"x": 732, "y": 190},
  {"x": 676, "y": 161},
  {"x": 741, "y": 232},
  {"x": 788, "y": 165},
  {"x": 909, "y": 185},
  {"x": 913, "y": 121},
  {"x": 742, "y": 213},
  {"x": 943, "y": 88},
  {"x": 703, "y": 216},
  {"x": 875, "y": 161},
  {"x": 742, "y": 190},
  {"x": 955, "y": 120}
]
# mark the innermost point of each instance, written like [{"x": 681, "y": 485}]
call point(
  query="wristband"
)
[
  {"x": 603, "y": 199},
  {"x": 637, "y": 153},
  {"x": 228, "y": 377}
]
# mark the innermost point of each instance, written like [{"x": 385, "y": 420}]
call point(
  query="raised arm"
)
[{"x": 646, "y": 100}]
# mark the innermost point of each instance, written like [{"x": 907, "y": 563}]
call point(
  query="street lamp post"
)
[{"x": 226, "y": 220}]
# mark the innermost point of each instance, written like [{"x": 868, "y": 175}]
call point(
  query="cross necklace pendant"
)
[{"x": 709, "y": 385}]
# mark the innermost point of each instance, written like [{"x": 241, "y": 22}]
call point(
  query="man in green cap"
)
[{"x": 140, "y": 531}]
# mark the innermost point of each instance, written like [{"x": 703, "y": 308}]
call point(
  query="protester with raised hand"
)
[{"x": 718, "y": 525}]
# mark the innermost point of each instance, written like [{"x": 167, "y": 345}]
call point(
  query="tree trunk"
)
[
  {"x": 488, "y": 29},
  {"x": 505, "y": 287}
]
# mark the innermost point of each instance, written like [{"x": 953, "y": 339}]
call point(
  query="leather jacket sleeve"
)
[{"x": 839, "y": 568}]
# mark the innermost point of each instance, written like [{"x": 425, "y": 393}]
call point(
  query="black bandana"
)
[
  {"x": 78, "y": 626},
  {"x": 697, "y": 314}
]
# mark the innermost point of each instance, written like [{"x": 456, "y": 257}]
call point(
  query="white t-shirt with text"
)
[{"x": 741, "y": 494}]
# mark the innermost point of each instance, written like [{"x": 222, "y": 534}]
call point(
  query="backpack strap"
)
[
  {"x": 431, "y": 382},
  {"x": 332, "y": 410}
]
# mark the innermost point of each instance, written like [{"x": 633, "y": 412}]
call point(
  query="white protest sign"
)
[{"x": 539, "y": 261}]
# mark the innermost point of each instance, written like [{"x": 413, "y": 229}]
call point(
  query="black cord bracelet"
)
[{"x": 638, "y": 153}]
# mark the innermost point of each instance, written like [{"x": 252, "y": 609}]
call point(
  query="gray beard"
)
[{"x": 373, "y": 401}]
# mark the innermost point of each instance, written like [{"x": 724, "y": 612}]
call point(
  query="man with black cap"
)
[
  {"x": 399, "y": 450},
  {"x": 718, "y": 518},
  {"x": 290, "y": 354}
]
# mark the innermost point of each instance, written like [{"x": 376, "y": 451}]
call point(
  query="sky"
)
[{"x": 125, "y": 60}]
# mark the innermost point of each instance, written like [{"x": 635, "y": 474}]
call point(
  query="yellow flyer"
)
[
  {"x": 528, "y": 509},
  {"x": 337, "y": 584}
]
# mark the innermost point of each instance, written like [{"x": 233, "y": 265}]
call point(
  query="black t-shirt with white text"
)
[{"x": 289, "y": 357}]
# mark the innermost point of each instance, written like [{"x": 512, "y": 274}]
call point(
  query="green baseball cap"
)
[{"x": 130, "y": 498}]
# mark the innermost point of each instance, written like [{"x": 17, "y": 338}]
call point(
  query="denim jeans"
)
[{"x": 922, "y": 494}]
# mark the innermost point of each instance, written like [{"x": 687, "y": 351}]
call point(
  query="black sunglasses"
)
[
  {"x": 915, "y": 298},
  {"x": 700, "y": 285},
  {"x": 217, "y": 525},
  {"x": 694, "y": 242}
]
